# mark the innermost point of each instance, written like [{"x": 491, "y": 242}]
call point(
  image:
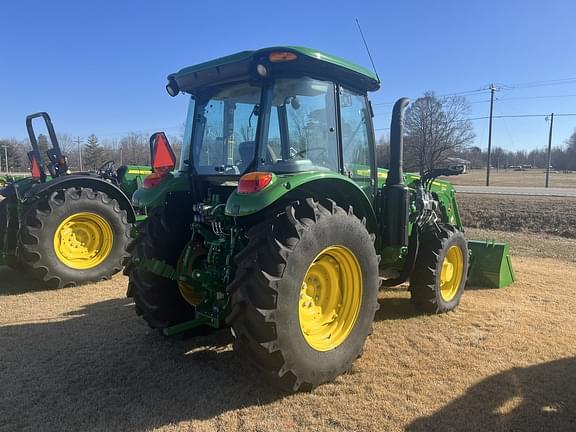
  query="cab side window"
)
[{"x": 354, "y": 121}]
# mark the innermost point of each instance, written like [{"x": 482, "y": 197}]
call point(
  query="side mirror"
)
[{"x": 162, "y": 156}]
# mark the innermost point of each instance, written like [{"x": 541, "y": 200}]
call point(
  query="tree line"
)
[
  {"x": 435, "y": 129},
  {"x": 90, "y": 154},
  {"x": 563, "y": 158}
]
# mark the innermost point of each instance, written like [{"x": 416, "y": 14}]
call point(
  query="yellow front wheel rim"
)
[
  {"x": 83, "y": 241},
  {"x": 451, "y": 273},
  {"x": 330, "y": 298}
]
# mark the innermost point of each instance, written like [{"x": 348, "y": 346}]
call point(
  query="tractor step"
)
[{"x": 490, "y": 264}]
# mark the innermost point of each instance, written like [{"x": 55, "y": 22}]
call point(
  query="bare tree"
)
[
  {"x": 382, "y": 153},
  {"x": 16, "y": 153},
  {"x": 571, "y": 152},
  {"x": 69, "y": 148},
  {"x": 436, "y": 128},
  {"x": 135, "y": 149},
  {"x": 66, "y": 142}
]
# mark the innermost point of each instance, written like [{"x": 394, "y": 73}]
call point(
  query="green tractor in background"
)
[
  {"x": 67, "y": 228},
  {"x": 278, "y": 222}
]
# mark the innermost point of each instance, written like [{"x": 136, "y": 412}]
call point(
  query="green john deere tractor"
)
[
  {"x": 278, "y": 222},
  {"x": 67, "y": 228}
]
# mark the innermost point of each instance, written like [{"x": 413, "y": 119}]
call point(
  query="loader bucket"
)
[{"x": 490, "y": 264}]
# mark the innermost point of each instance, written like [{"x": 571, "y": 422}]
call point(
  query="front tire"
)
[
  {"x": 305, "y": 294},
  {"x": 74, "y": 236},
  {"x": 441, "y": 269}
]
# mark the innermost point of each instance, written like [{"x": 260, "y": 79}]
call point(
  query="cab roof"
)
[{"x": 242, "y": 66}]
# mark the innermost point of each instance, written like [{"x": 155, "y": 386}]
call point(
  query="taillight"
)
[
  {"x": 154, "y": 179},
  {"x": 254, "y": 182}
]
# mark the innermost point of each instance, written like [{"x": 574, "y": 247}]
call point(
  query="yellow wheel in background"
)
[
  {"x": 451, "y": 273},
  {"x": 330, "y": 298},
  {"x": 83, "y": 241},
  {"x": 439, "y": 276}
]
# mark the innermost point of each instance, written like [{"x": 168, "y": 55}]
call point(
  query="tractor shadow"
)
[
  {"x": 395, "y": 308},
  {"x": 534, "y": 398},
  {"x": 13, "y": 282},
  {"x": 100, "y": 368}
]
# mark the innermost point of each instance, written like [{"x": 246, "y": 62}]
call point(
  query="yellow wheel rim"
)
[
  {"x": 83, "y": 241},
  {"x": 451, "y": 274},
  {"x": 330, "y": 298}
]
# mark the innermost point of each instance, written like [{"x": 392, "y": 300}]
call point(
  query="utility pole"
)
[
  {"x": 492, "y": 90},
  {"x": 79, "y": 152},
  {"x": 549, "y": 159},
  {"x": 6, "y": 155}
]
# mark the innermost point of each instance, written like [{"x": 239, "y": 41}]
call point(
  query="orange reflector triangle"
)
[
  {"x": 163, "y": 158},
  {"x": 36, "y": 172}
]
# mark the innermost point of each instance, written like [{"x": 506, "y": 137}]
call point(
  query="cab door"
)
[{"x": 357, "y": 139}]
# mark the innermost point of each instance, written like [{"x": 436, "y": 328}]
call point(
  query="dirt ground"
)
[
  {"x": 529, "y": 178},
  {"x": 527, "y": 214},
  {"x": 79, "y": 359}
]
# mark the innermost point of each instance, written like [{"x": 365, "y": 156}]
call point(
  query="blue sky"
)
[{"x": 100, "y": 67}]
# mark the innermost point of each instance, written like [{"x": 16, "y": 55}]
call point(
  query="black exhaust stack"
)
[{"x": 396, "y": 195}]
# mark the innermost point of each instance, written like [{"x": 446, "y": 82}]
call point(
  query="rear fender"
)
[
  {"x": 82, "y": 181},
  {"x": 288, "y": 188}
]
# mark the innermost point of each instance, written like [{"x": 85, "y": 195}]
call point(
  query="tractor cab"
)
[{"x": 279, "y": 111}]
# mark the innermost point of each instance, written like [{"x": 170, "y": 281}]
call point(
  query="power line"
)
[
  {"x": 522, "y": 116},
  {"x": 504, "y": 117},
  {"x": 543, "y": 83},
  {"x": 518, "y": 86},
  {"x": 466, "y": 92},
  {"x": 498, "y": 99},
  {"x": 538, "y": 97}
]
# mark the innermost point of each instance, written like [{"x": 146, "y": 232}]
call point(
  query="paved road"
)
[{"x": 505, "y": 190}]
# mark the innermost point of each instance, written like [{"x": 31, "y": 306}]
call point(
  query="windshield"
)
[
  {"x": 302, "y": 134},
  {"x": 224, "y": 142}
]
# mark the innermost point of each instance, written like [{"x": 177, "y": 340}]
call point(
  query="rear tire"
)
[
  {"x": 103, "y": 237},
  {"x": 270, "y": 285},
  {"x": 9, "y": 236},
  {"x": 441, "y": 269},
  {"x": 158, "y": 299}
]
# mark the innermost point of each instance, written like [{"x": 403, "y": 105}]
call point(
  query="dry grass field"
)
[
  {"x": 78, "y": 359},
  {"x": 528, "y": 178}
]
